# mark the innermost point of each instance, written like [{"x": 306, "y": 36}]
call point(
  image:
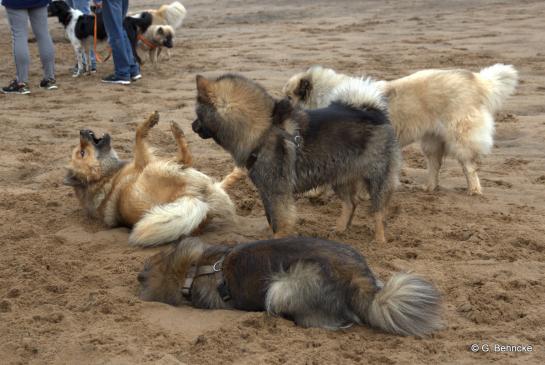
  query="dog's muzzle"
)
[
  {"x": 88, "y": 135},
  {"x": 201, "y": 130}
]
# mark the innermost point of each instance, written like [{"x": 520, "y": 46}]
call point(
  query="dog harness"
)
[
  {"x": 147, "y": 42},
  {"x": 295, "y": 138},
  {"x": 215, "y": 269}
]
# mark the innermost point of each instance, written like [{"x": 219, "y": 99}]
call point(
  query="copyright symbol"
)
[{"x": 475, "y": 348}]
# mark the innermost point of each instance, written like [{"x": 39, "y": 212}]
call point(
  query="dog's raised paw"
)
[
  {"x": 153, "y": 119},
  {"x": 176, "y": 130}
]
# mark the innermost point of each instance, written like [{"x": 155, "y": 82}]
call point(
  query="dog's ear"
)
[
  {"x": 203, "y": 89},
  {"x": 160, "y": 31},
  {"x": 71, "y": 180},
  {"x": 104, "y": 144},
  {"x": 282, "y": 110},
  {"x": 303, "y": 89}
]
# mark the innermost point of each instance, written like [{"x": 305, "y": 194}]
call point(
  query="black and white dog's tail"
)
[{"x": 135, "y": 25}]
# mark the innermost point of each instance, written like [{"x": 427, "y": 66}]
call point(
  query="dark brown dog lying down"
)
[{"x": 314, "y": 282}]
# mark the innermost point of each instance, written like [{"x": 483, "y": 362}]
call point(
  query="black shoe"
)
[
  {"x": 16, "y": 88},
  {"x": 49, "y": 84},
  {"x": 136, "y": 77},
  {"x": 93, "y": 69},
  {"x": 113, "y": 79}
]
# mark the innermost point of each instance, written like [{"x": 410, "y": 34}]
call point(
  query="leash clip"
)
[{"x": 297, "y": 140}]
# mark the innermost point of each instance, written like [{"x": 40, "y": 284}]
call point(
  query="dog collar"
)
[{"x": 215, "y": 269}]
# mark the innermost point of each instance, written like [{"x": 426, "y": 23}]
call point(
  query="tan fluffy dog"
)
[
  {"x": 447, "y": 111},
  {"x": 172, "y": 14},
  {"x": 161, "y": 199}
]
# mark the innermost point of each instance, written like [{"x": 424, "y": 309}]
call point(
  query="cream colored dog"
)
[{"x": 447, "y": 111}]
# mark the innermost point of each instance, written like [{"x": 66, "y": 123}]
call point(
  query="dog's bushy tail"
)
[
  {"x": 359, "y": 93},
  {"x": 407, "y": 305},
  {"x": 502, "y": 81},
  {"x": 168, "y": 222},
  {"x": 175, "y": 14}
]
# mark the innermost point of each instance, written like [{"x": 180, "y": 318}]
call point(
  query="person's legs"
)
[
  {"x": 113, "y": 15},
  {"x": 134, "y": 68},
  {"x": 38, "y": 21},
  {"x": 18, "y": 22}
]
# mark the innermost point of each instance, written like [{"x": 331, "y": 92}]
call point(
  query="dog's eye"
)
[{"x": 82, "y": 153}]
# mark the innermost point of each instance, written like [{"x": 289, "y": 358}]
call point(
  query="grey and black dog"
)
[
  {"x": 350, "y": 145},
  {"x": 314, "y": 282}
]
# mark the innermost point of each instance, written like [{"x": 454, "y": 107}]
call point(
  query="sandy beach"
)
[{"x": 68, "y": 289}]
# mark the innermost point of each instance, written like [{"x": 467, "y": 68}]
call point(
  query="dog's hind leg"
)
[
  {"x": 433, "y": 148},
  {"x": 184, "y": 155},
  {"x": 142, "y": 153},
  {"x": 87, "y": 56},
  {"x": 380, "y": 191},
  {"x": 79, "y": 55},
  {"x": 477, "y": 140},
  {"x": 470, "y": 167},
  {"x": 348, "y": 194}
]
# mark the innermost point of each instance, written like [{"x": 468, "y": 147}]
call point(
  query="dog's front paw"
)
[
  {"x": 475, "y": 192},
  {"x": 176, "y": 130},
  {"x": 151, "y": 122},
  {"x": 430, "y": 188}
]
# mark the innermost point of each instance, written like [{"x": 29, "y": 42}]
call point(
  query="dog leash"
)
[
  {"x": 149, "y": 44},
  {"x": 196, "y": 271},
  {"x": 97, "y": 55}
]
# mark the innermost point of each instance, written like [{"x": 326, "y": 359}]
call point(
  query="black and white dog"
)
[{"x": 80, "y": 29}]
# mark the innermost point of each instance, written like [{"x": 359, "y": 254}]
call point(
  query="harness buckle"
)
[{"x": 217, "y": 266}]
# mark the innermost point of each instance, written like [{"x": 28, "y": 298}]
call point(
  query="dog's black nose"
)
[
  {"x": 141, "y": 277},
  {"x": 87, "y": 134},
  {"x": 196, "y": 125}
]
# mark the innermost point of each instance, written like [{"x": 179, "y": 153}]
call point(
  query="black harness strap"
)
[{"x": 215, "y": 269}]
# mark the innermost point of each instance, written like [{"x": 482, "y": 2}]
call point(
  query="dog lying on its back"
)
[
  {"x": 314, "y": 282},
  {"x": 162, "y": 200},
  {"x": 447, "y": 111},
  {"x": 350, "y": 144}
]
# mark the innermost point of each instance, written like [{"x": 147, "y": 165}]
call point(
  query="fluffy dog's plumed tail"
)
[
  {"x": 175, "y": 14},
  {"x": 363, "y": 93},
  {"x": 168, "y": 222},
  {"x": 406, "y": 305},
  {"x": 501, "y": 82}
]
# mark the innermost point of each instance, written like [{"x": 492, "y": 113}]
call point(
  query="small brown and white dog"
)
[
  {"x": 450, "y": 112},
  {"x": 162, "y": 200},
  {"x": 154, "y": 39},
  {"x": 314, "y": 282},
  {"x": 165, "y": 22}
]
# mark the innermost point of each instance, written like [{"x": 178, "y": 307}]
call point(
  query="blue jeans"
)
[
  {"x": 113, "y": 13},
  {"x": 83, "y": 6}
]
